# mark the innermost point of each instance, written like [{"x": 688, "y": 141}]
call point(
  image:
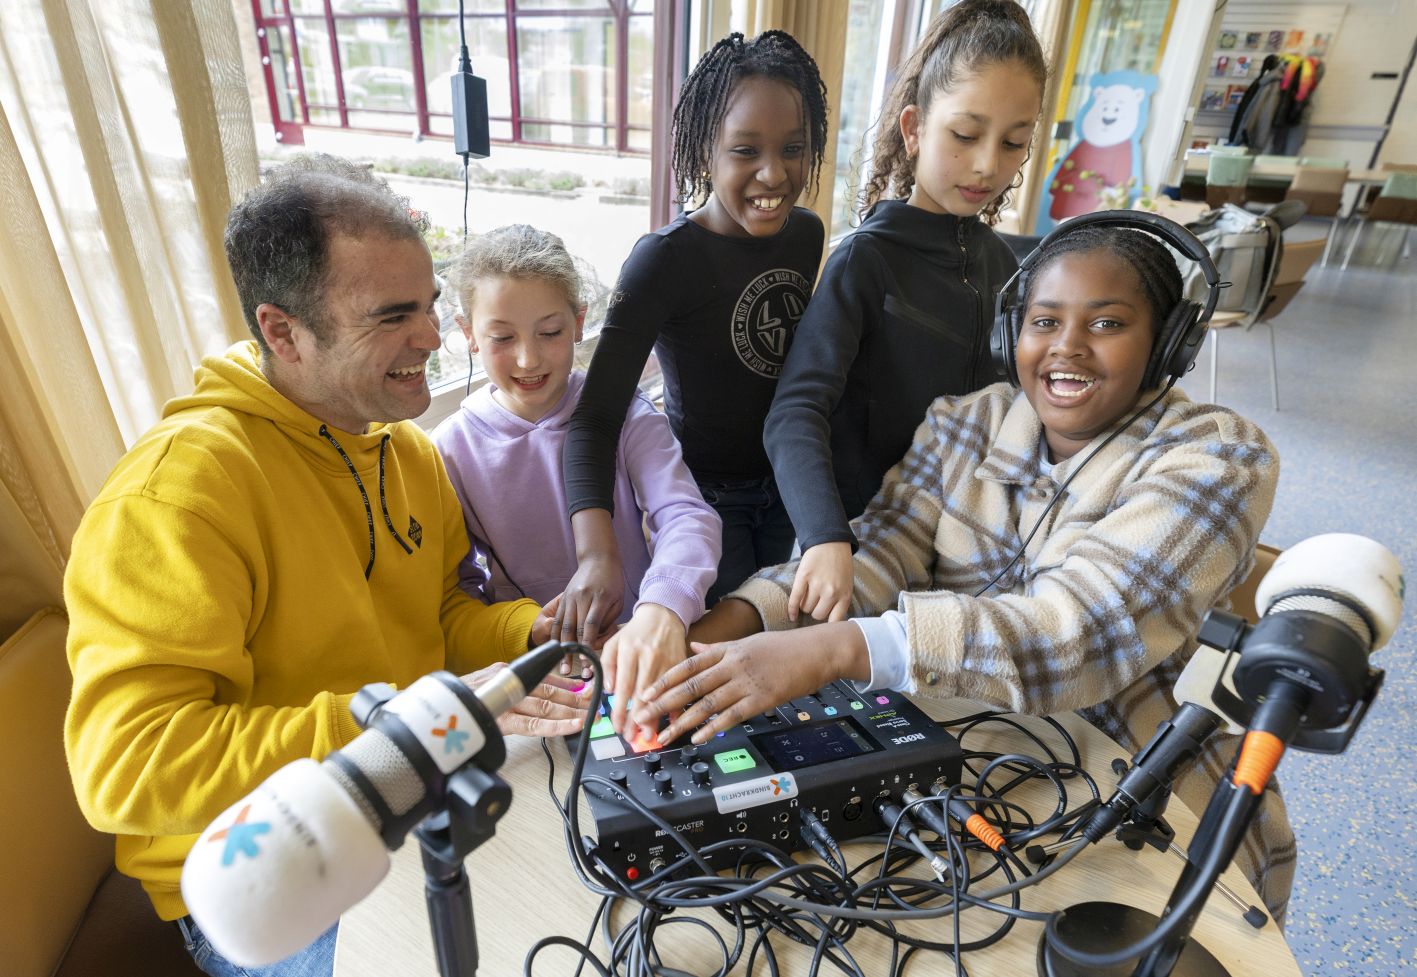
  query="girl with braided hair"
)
[
  {"x": 903, "y": 311},
  {"x": 716, "y": 294}
]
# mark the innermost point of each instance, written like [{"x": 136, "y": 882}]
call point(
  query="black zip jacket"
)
[{"x": 900, "y": 316}]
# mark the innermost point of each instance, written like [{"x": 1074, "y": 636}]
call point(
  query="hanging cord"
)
[
  {"x": 464, "y": 65},
  {"x": 1066, "y": 482}
]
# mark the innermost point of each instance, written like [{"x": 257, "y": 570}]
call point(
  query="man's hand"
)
[
  {"x": 822, "y": 587},
  {"x": 730, "y": 682},
  {"x": 640, "y": 652},
  {"x": 556, "y": 707}
]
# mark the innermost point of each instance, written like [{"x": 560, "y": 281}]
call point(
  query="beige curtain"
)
[
  {"x": 820, "y": 27},
  {"x": 125, "y": 136}
]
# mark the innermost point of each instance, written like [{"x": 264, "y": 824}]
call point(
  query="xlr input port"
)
[{"x": 853, "y": 809}]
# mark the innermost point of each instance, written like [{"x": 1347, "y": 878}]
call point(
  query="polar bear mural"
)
[{"x": 1107, "y": 154}]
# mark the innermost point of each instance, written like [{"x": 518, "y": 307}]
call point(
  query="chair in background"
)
[
  {"x": 1396, "y": 203},
  {"x": 1226, "y": 175},
  {"x": 1367, "y": 194},
  {"x": 1321, "y": 190},
  {"x": 1294, "y": 262},
  {"x": 1242, "y": 598},
  {"x": 1269, "y": 179},
  {"x": 1021, "y": 245}
]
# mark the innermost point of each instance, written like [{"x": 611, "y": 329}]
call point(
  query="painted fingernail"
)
[{"x": 578, "y": 688}]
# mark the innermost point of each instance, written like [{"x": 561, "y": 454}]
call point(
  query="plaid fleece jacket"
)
[{"x": 1100, "y": 613}]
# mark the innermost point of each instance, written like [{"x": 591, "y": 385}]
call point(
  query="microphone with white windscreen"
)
[
  {"x": 1301, "y": 675},
  {"x": 280, "y": 866},
  {"x": 1298, "y": 678}
]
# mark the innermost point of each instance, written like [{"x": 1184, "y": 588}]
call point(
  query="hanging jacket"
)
[
  {"x": 1237, "y": 136},
  {"x": 1301, "y": 77}
]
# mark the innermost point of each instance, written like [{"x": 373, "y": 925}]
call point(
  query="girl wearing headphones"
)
[{"x": 1102, "y": 578}]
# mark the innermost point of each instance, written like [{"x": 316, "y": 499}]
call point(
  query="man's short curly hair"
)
[{"x": 278, "y": 237}]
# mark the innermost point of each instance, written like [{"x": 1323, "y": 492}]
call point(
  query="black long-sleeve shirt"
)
[
  {"x": 902, "y": 316},
  {"x": 720, "y": 313}
]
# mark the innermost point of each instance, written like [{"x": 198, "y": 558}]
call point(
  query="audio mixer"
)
[{"x": 831, "y": 753}]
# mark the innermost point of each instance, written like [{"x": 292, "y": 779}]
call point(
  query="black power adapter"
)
[{"x": 471, "y": 139}]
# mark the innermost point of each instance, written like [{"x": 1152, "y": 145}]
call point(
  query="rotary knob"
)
[
  {"x": 689, "y": 755},
  {"x": 700, "y": 773},
  {"x": 651, "y": 762},
  {"x": 617, "y": 777},
  {"x": 664, "y": 783}
]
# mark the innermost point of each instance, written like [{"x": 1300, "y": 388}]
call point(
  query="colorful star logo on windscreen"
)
[
  {"x": 453, "y": 738},
  {"x": 240, "y": 837}
]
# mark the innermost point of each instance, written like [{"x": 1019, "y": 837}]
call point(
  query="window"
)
[
  {"x": 870, "y": 27},
  {"x": 559, "y": 72}
]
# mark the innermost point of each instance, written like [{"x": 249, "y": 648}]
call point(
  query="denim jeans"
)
[
  {"x": 316, "y": 960},
  {"x": 757, "y": 532}
]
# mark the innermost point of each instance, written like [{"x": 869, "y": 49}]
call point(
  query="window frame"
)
[{"x": 617, "y": 137}]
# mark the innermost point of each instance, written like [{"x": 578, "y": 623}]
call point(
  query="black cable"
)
[
  {"x": 1233, "y": 817},
  {"x": 464, "y": 65},
  {"x": 1055, "y": 770},
  {"x": 586, "y": 956},
  {"x": 817, "y": 906}
]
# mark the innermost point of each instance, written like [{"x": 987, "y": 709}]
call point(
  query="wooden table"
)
[{"x": 524, "y": 889}]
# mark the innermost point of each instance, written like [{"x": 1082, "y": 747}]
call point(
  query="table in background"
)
[
  {"x": 524, "y": 888},
  {"x": 1280, "y": 175}
]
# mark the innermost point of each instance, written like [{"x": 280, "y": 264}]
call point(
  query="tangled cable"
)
[{"x": 763, "y": 890}]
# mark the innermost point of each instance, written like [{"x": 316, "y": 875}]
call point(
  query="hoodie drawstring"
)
[
  {"x": 383, "y": 503},
  {"x": 368, "y": 510}
]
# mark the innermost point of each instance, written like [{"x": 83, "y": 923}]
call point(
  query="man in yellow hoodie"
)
[{"x": 282, "y": 537}]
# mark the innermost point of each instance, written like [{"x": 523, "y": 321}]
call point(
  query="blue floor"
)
[{"x": 1347, "y": 351}]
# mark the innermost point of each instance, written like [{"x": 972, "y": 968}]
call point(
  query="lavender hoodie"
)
[{"x": 507, "y": 474}]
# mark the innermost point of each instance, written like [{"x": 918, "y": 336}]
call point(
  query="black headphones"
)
[{"x": 1177, "y": 342}]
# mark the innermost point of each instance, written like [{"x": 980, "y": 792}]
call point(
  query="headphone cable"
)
[{"x": 1066, "y": 482}]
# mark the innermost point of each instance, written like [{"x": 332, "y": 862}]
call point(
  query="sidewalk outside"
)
[{"x": 598, "y": 224}]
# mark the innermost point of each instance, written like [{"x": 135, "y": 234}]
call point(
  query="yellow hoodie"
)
[{"x": 220, "y": 615}]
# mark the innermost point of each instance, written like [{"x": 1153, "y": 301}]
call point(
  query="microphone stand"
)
[
  {"x": 468, "y": 802},
  {"x": 1100, "y": 926},
  {"x": 1241, "y": 804},
  {"x": 475, "y": 800}
]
